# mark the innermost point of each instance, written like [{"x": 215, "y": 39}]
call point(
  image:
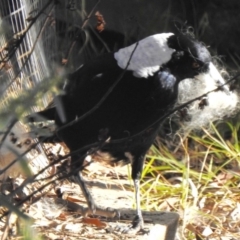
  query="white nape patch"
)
[
  {"x": 147, "y": 58},
  {"x": 221, "y": 103}
]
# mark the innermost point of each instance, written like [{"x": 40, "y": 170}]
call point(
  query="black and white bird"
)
[{"x": 116, "y": 102}]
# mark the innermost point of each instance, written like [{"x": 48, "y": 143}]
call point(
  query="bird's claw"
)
[
  {"x": 137, "y": 222},
  {"x": 136, "y": 226}
]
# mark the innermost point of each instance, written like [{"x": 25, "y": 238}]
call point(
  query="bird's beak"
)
[{"x": 215, "y": 75}]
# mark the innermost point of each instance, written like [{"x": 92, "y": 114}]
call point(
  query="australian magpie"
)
[{"x": 112, "y": 106}]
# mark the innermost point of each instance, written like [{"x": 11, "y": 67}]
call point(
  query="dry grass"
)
[{"x": 200, "y": 181}]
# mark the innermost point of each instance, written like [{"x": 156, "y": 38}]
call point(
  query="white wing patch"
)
[{"x": 147, "y": 58}]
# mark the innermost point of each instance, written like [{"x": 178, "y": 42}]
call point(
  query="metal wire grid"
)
[
  {"x": 30, "y": 63},
  {"x": 24, "y": 67}
]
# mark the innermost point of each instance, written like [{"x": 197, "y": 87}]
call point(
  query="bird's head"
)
[
  {"x": 193, "y": 63},
  {"x": 179, "y": 54},
  {"x": 190, "y": 58}
]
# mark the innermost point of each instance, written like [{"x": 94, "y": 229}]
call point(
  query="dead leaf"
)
[
  {"x": 94, "y": 221},
  {"x": 62, "y": 217},
  {"x": 100, "y": 22},
  {"x": 73, "y": 199}
]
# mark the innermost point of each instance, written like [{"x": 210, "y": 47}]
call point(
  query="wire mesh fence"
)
[{"x": 27, "y": 46}]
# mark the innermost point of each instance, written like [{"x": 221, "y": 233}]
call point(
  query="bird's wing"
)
[{"x": 147, "y": 55}]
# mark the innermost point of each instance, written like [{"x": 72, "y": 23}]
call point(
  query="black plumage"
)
[{"x": 126, "y": 122}]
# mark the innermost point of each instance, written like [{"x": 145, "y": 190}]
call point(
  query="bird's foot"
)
[{"x": 136, "y": 226}]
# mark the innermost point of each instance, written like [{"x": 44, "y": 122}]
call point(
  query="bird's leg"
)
[
  {"x": 92, "y": 207},
  {"x": 138, "y": 220},
  {"x": 90, "y": 202},
  {"x": 137, "y": 223},
  {"x": 137, "y": 167}
]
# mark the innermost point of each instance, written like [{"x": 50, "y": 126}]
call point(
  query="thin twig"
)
[
  {"x": 82, "y": 27},
  {"x": 90, "y": 14}
]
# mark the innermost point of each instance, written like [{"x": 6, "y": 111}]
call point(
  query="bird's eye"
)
[{"x": 195, "y": 65}]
